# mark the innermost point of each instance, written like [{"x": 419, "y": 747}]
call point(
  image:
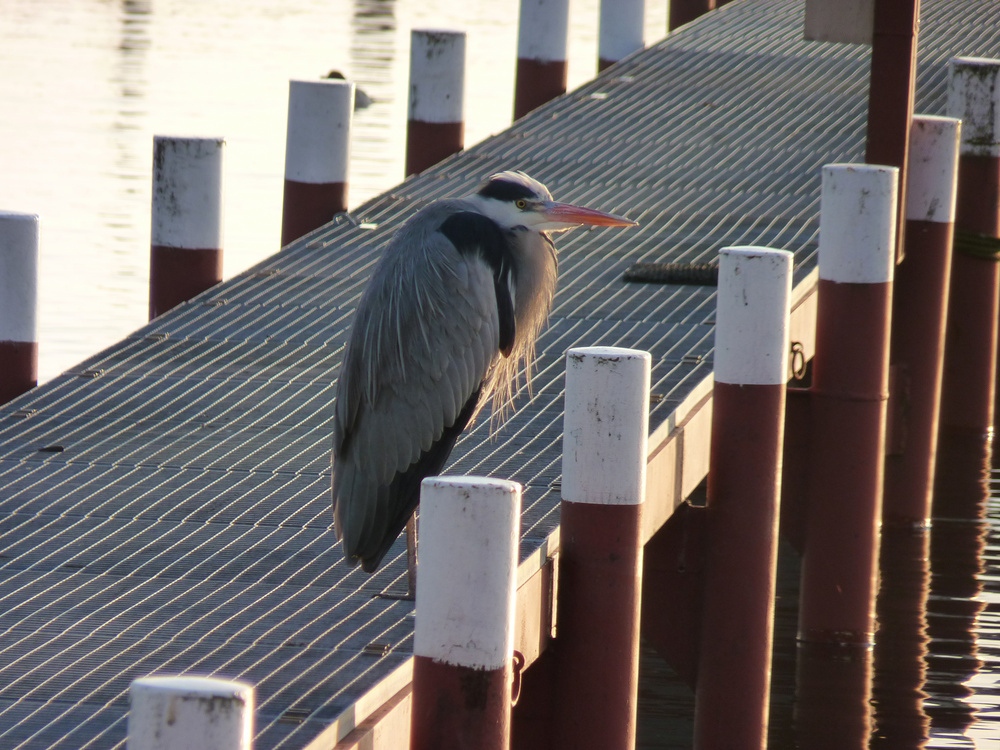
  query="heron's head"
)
[{"x": 513, "y": 199}]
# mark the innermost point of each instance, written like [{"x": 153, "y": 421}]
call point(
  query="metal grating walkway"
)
[{"x": 164, "y": 506}]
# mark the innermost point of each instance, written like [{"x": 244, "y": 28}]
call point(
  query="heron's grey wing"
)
[{"x": 426, "y": 333}]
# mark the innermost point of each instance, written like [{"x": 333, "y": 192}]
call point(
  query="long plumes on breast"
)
[{"x": 534, "y": 286}]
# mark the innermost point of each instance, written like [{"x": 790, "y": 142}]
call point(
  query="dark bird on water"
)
[{"x": 452, "y": 310}]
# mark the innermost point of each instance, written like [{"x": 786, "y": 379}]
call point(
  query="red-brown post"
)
[
  {"x": 849, "y": 392},
  {"x": 463, "y": 639},
  {"x": 681, "y": 12},
  {"x": 317, "y": 152},
  {"x": 542, "y": 41},
  {"x": 18, "y": 304},
  {"x": 186, "y": 244},
  {"x": 435, "y": 127},
  {"x": 969, "y": 380},
  {"x": 890, "y": 91},
  {"x": 600, "y": 558},
  {"x": 919, "y": 306},
  {"x": 751, "y": 368}
]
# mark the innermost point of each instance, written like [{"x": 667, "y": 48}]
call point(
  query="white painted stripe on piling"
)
[
  {"x": 974, "y": 98},
  {"x": 187, "y": 192},
  {"x": 605, "y": 425},
  {"x": 437, "y": 75},
  {"x": 932, "y": 171},
  {"x": 621, "y": 27},
  {"x": 318, "y": 140},
  {"x": 543, "y": 30},
  {"x": 178, "y": 713},
  {"x": 751, "y": 321},
  {"x": 18, "y": 277},
  {"x": 467, "y": 571},
  {"x": 857, "y": 223}
]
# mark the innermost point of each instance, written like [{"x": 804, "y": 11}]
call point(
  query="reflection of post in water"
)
[
  {"x": 918, "y": 318},
  {"x": 832, "y": 690},
  {"x": 956, "y": 557},
  {"x": 901, "y": 640},
  {"x": 968, "y": 387}
]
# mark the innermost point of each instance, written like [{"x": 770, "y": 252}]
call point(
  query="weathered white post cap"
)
[
  {"x": 18, "y": 276},
  {"x": 605, "y": 425},
  {"x": 857, "y": 223},
  {"x": 318, "y": 141},
  {"x": 751, "y": 325},
  {"x": 185, "y": 712},
  {"x": 974, "y": 98},
  {"x": 467, "y": 579},
  {"x": 621, "y": 29},
  {"x": 187, "y": 192},
  {"x": 543, "y": 30},
  {"x": 932, "y": 169},
  {"x": 437, "y": 75}
]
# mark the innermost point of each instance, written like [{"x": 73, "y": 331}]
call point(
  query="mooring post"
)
[
  {"x": 182, "y": 712},
  {"x": 891, "y": 92},
  {"x": 18, "y": 304},
  {"x": 857, "y": 255},
  {"x": 748, "y": 415},
  {"x": 542, "y": 43},
  {"x": 850, "y": 386},
  {"x": 435, "y": 127},
  {"x": 600, "y": 553},
  {"x": 681, "y": 12},
  {"x": 186, "y": 251},
  {"x": 463, "y": 640},
  {"x": 621, "y": 30},
  {"x": 919, "y": 306},
  {"x": 317, "y": 152},
  {"x": 969, "y": 380}
]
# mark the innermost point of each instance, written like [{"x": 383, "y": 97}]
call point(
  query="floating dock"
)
[{"x": 165, "y": 505}]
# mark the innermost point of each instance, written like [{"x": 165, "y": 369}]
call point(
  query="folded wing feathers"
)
[{"x": 424, "y": 361}]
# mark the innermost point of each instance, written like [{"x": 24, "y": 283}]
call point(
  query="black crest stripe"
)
[{"x": 506, "y": 190}]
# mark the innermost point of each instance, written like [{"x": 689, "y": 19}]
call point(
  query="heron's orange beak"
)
[{"x": 567, "y": 213}]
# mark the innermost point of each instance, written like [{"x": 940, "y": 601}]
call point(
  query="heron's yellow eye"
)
[{"x": 521, "y": 204}]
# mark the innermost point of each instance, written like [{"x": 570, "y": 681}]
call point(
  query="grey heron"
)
[{"x": 452, "y": 310}]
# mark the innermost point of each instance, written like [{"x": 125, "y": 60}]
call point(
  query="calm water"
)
[
  {"x": 85, "y": 84},
  {"x": 931, "y": 682}
]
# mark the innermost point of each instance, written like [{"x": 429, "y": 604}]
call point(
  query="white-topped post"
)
[
  {"x": 463, "y": 639},
  {"x": 919, "y": 307},
  {"x": 605, "y": 435},
  {"x": 317, "y": 153},
  {"x": 857, "y": 253},
  {"x": 748, "y": 414},
  {"x": 932, "y": 175},
  {"x": 969, "y": 382},
  {"x": 972, "y": 98},
  {"x": 18, "y": 304},
  {"x": 621, "y": 30},
  {"x": 542, "y": 51},
  {"x": 184, "y": 712},
  {"x": 854, "y": 225},
  {"x": 435, "y": 126},
  {"x": 186, "y": 241}
]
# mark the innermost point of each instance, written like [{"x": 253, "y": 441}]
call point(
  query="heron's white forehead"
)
[{"x": 513, "y": 185}]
